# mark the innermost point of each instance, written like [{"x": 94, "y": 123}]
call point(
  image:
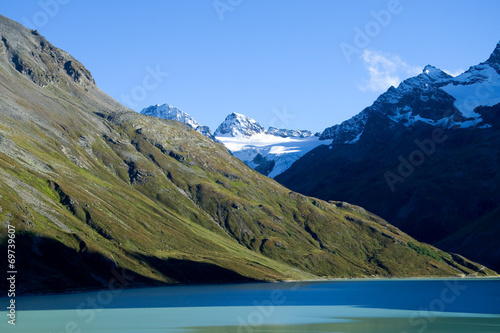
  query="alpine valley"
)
[
  {"x": 95, "y": 190},
  {"x": 425, "y": 156}
]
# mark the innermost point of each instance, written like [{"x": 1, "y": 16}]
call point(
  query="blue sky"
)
[{"x": 299, "y": 64}]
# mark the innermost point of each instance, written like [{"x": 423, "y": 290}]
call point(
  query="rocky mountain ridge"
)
[{"x": 433, "y": 97}]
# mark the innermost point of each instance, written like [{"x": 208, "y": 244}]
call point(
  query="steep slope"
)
[
  {"x": 270, "y": 151},
  {"x": 95, "y": 190},
  {"x": 424, "y": 156}
]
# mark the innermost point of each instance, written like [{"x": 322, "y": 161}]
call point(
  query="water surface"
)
[{"x": 433, "y": 305}]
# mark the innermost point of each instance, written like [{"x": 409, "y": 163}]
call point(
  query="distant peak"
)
[
  {"x": 160, "y": 108},
  {"x": 240, "y": 117},
  {"x": 166, "y": 111},
  {"x": 237, "y": 124},
  {"x": 434, "y": 72},
  {"x": 428, "y": 69},
  {"x": 430, "y": 75}
]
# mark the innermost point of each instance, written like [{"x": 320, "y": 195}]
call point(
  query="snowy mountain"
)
[
  {"x": 269, "y": 152},
  {"x": 433, "y": 97},
  {"x": 425, "y": 156},
  {"x": 166, "y": 111},
  {"x": 238, "y": 125}
]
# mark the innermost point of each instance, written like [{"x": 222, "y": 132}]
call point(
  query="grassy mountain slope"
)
[{"x": 93, "y": 188}]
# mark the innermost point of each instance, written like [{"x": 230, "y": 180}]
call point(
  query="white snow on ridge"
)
[
  {"x": 356, "y": 139},
  {"x": 446, "y": 122},
  {"x": 237, "y": 124},
  {"x": 483, "y": 91},
  {"x": 166, "y": 111},
  {"x": 284, "y": 151}
]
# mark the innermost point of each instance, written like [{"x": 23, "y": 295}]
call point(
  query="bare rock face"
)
[{"x": 33, "y": 56}]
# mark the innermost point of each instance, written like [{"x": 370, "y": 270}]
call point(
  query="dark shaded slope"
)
[
  {"x": 453, "y": 182},
  {"x": 424, "y": 156}
]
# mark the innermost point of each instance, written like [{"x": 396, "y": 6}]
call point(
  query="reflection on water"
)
[
  {"x": 245, "y": 319},
  {"x": 374, "y": 325},
  {"x": 401, "y": 306}
]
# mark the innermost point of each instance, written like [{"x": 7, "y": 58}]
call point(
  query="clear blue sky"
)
[{"x": 288, "y": 63}]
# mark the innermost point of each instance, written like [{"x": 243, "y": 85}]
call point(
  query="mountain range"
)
[
  {"x": 269, "y": 152},
  {"x": 94, "y": 189},
  {"x": 425, "y": 156}
]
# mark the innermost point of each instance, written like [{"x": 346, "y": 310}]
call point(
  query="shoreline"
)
[{"x": 325, "y": 280}]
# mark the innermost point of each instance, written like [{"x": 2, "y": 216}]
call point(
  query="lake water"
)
[{"x": 402, "y": 306}]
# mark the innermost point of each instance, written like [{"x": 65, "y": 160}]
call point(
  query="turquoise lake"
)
[{"x": 402, "y": 306}]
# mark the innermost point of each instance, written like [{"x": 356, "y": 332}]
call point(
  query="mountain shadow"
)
[
  {"x": 47, "y": 265},
  {"x": 193, "y": 272}
]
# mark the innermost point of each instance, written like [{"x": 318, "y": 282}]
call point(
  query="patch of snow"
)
[
  {"x": 401, "y": 114},
  {"x": 288, "y": 133},
  {"x": 468, "y": 123},
  {"x": 166, "y": 111},
  {"x": 479, "y": 86},
  {"x": 284, "y": 151},
  {"x": 356, "y": 139}
]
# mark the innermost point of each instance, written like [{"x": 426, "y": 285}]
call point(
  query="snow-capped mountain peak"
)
[
  {"x": 269, "y": 152},
  {"x": 435, "y": 74},
  {"x": 430, "y": 75},
  {"x": 433, "y": 97},
  {"x": 239, "y": 125},
  {"x": 166, "y": 111}
]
